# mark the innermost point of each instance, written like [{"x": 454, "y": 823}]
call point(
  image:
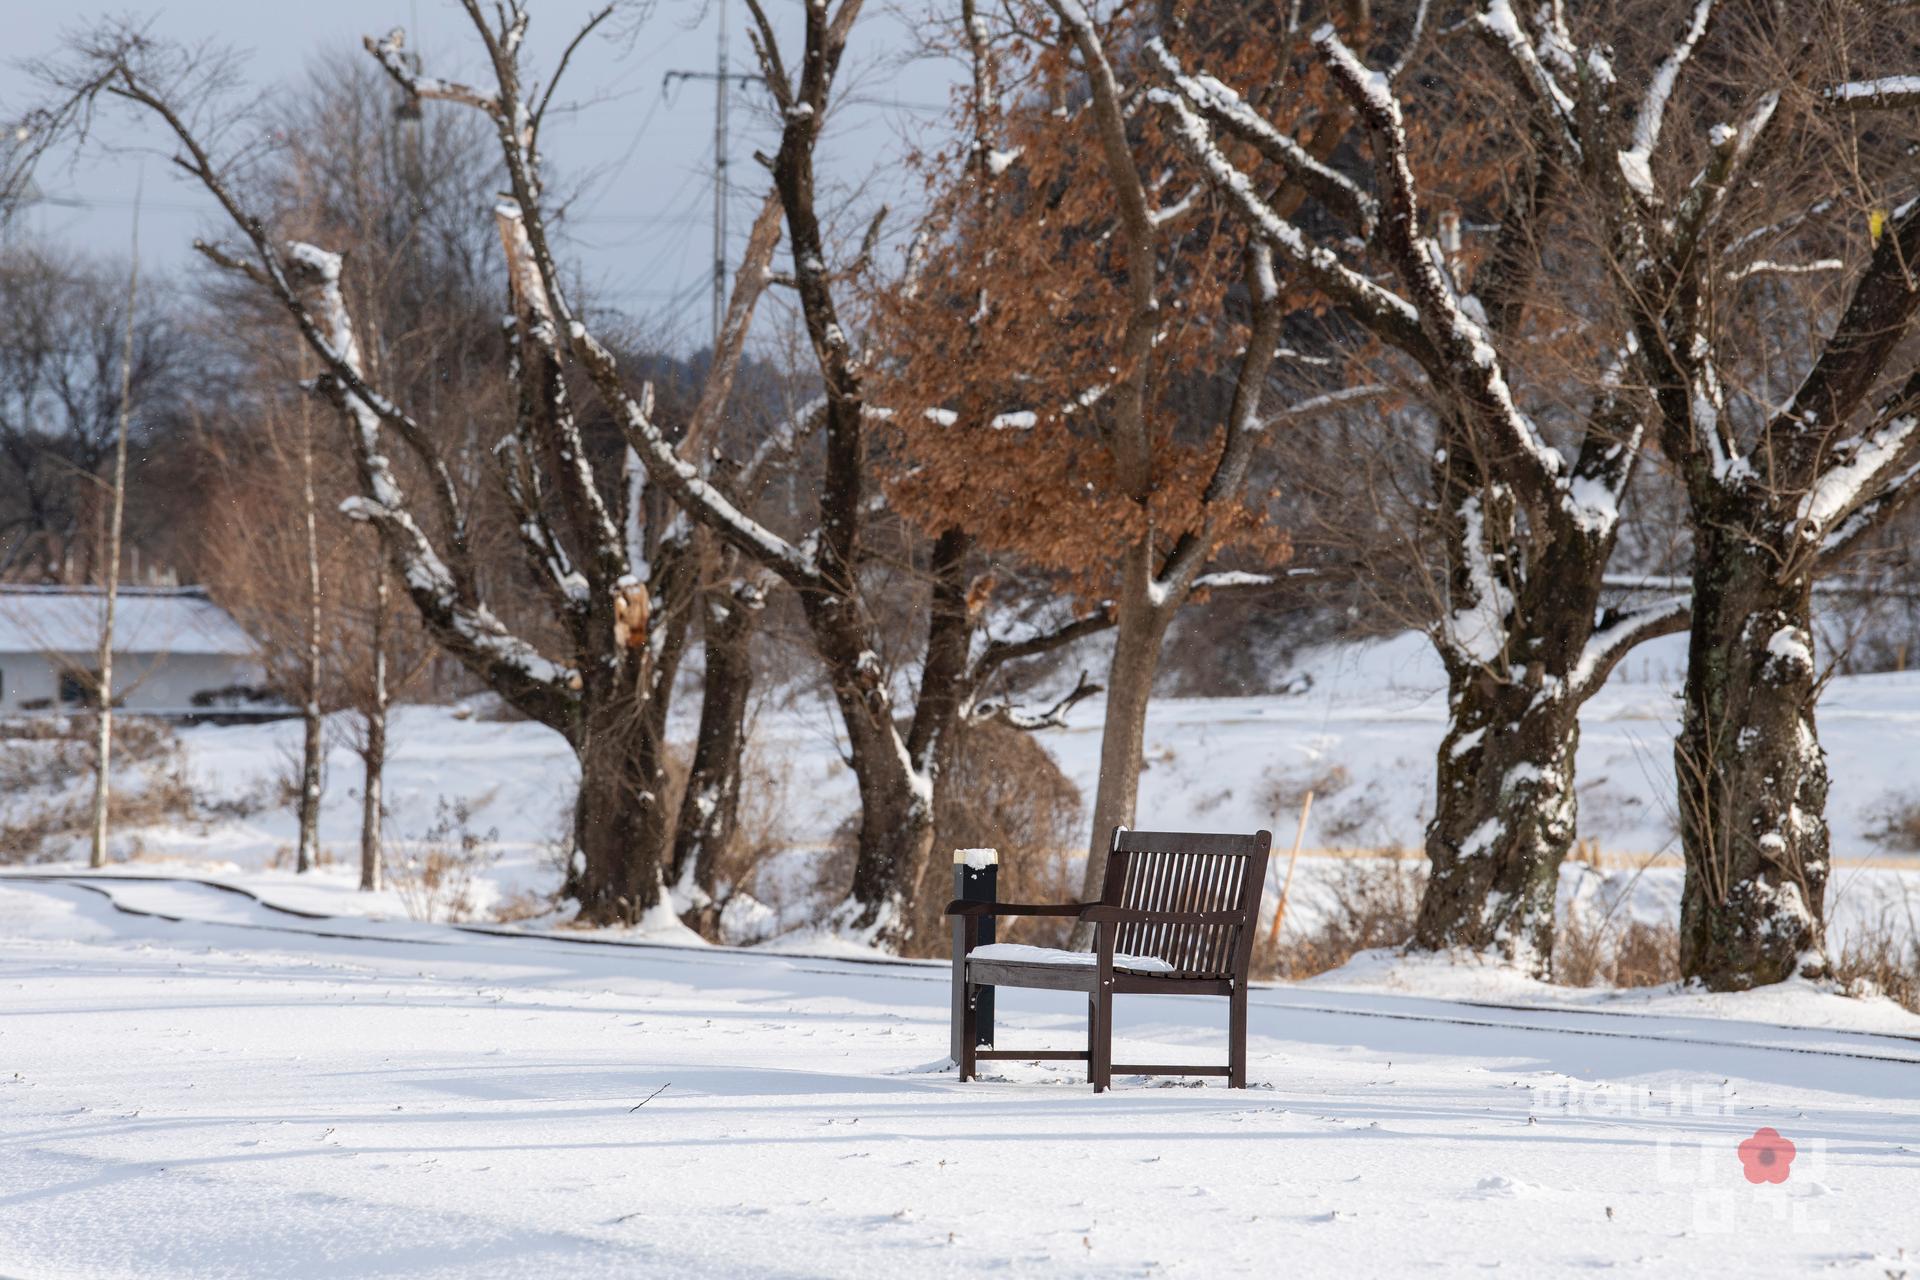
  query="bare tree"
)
[
  {"x": 1526, "y": 529},
  {"x": 1734, "y": 193},
  {"x": 103, "y": 676},
  {"x": 613, "y": 623},
  {"x": 895, "y": 770},
  {"x": 60, "y": 376}
]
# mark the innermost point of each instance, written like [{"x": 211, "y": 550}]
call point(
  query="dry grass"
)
[
  {"x": 760, "y": 825},
  {"x": 1896, "y": 823},
  {"x": 1000, "y": 790},
  {"x": 1882, "y": 959},
  {"x": 1372, "y": 902},
  {"x": 1367, "y": 903},
  {"x": 1590, "y": 952},
  {"x": 434, "y": 872},
  {"x": 46, "y": 783}
]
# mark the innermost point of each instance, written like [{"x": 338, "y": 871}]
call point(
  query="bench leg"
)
[
  {"x": 1100, "y": 1040},
  {"x": 1237, "y": 1038},
  {"x": 969, "y": 1031},
  {"x": 1093, "y": 1034}
]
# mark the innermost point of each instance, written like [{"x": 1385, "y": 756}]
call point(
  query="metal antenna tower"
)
[{"x": 721, "y": 78}]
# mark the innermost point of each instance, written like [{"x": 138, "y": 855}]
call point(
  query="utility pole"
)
[
  {"x": 721, "y": 78},
  {"x": 720, "y": 176}
]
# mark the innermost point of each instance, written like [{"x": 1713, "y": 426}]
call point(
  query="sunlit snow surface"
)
[{"x": 188, "y": 1099}]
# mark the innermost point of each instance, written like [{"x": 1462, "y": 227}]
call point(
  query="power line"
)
[{"x": 113, "y": 202}]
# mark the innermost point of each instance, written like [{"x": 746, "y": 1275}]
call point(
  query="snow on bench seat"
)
[{"x": 1020, "y": 953}]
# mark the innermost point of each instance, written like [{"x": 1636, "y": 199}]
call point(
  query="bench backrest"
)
[{"x": 1187, "y": 872}]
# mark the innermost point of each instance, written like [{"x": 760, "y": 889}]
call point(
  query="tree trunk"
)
[
  {"x": 1752, "y": 775},
  {"x": 622, "y": 834},
  {"x": 896, "y": 836},
  {"x": 1138, "y": 631},
  {"x": 312, "y": 745},
  {"x": 1505, "y": 806},
  {"x": 103, "y": 747},
  {"x": 896, "y": 798},
  {"x": 373, "y": 753},
  {"x": 710, "y": 808},
  {"x": 619, "y": 819},
  {"x": 1503, "y": 822}
]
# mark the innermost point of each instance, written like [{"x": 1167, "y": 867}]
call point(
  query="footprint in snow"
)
[{"x": 1501, "y": 1187}]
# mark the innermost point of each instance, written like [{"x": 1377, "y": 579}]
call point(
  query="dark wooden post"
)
[{"x": 976, "y": 878}]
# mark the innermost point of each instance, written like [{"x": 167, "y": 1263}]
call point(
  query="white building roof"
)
[{"x": 146, "y": 620}]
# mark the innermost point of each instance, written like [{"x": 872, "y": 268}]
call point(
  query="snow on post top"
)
[{"x": 976, "y": 859}]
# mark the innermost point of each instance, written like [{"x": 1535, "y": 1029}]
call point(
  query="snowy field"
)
[
  {"x": 1363, "y": 734},
  {"x": 238, "y": 1093},
  {"x": 285, "y": 1077}
]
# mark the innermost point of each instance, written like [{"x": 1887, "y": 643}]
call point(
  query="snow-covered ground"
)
[{"x": 238, "y": 1093}]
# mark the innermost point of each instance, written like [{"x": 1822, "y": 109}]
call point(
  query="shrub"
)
[
  {"x": 1366, "y": 902},
  {"x": 1590, "y": 951},
  {"x": 1896, "y": 822},
  {"x": 434, "y": 872},
  {"x": 1882, "y": 958},
  {"x": 999, "y": 789},
  {"x": 46, "y": 782}
]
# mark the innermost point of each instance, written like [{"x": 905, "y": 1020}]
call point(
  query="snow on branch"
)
[
  {"x": 1053, "y": 717},
  {"x": 1168, "y": 214},
  {"x": 384, "y": 504},
  {"x": 1858, "y": 473},
  {"x": 1476, "y": 629},
  {"x": 997, "y": 653},
  {"x": 322, "y": 269},
  {"x": 1887, "y": 93},
  {"x": 1868, "y": 516},
  {"x": 1636, "y": 162},
  {"x": 568, "y": 456},
  {"x": 1382, "y": 310},
  {"x": 1237, "y": 580},
  {"x": 393, "y": 58},
  {"x": 1609, "y": 450},
  {"x": 1617, "y": 634},
  {"x": 1412, "y": 46},
  {"x": 1467, "y": 358},
  {"x": 684, "y": 483},
  {"x": 1228, "y": 111},
  {"x": 552, "y": 567},
  {"x": 1501, "y": 28},
  {"x": 1729, "y": 150},
  {"x": 1766, "y": 267},
  {"x": 1010, "y": 420},
  {"x": 1327, "y": 400}
]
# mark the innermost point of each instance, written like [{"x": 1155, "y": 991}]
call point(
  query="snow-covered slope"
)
[
  {"x": 208, "y": 1098},
  {"x": 1362, "y": 734}
]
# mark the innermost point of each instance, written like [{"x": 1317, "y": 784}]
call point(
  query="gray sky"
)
[{"x": 641, "y": 235}]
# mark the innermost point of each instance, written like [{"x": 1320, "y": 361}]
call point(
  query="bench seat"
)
[{"x": 1013, "y": 964}]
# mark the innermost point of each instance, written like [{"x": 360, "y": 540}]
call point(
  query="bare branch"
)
[
  {"x": 1229, "y": 112},
  {"x": 1636, "y": 160},
  {"x": 560, "y": 69},
  {"x": 1053, "y": 717},
  {"x": 1617, "y": 634},
  {"x": 1889, "y": 93}
]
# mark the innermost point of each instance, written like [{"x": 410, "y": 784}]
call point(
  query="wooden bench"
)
[{"x": 1177, "y": 915}]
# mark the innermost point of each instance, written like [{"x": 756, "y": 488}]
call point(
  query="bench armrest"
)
[
  {"x": 963, "y": 907},
  {"x": 1102, "y": 913},
  {"x": 1091, "y": 912}
]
